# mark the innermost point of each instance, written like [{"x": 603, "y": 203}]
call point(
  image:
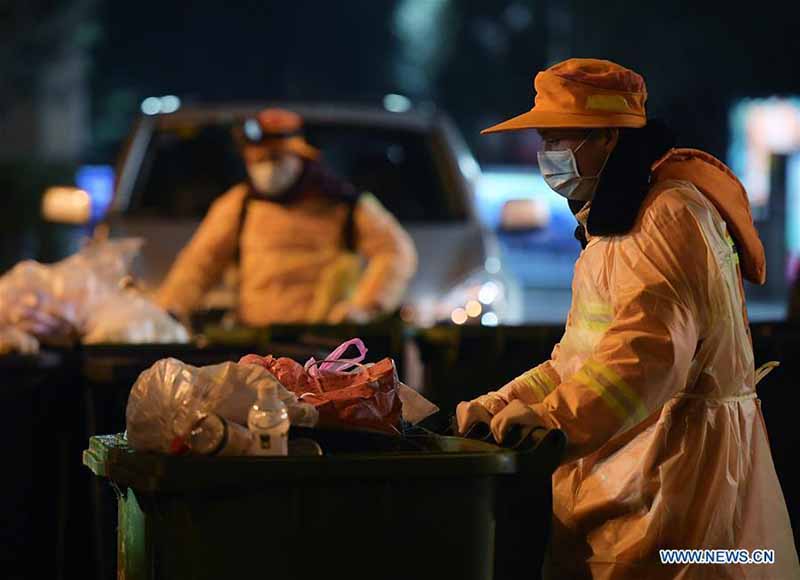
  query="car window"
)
[
  {"x": 401, "y": 168},
  {"x": 185, "y": 169}
]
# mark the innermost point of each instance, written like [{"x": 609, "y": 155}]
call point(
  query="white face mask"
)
[
  {"x": 272, "y": 178},
  {"x": 560, "y": 171}
]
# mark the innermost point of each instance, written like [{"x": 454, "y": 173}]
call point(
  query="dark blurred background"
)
[{"x": 75, "y": 73}]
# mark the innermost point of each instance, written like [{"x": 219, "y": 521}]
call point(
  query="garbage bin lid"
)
[{"x": 110, "y": 456}]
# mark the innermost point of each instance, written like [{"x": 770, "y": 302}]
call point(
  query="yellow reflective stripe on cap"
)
[
  {"x": 615, "y": 392},
  {"x": 613, "y": 103}
]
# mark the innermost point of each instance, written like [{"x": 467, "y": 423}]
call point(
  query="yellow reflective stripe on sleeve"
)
[
  {"x": 634, "y": 402},
  {"x": 610, "y": 386},
  {"x": 732, "y": 244},
  {"x": 541, "y": 393},
  {"x": 539, "y": 382},
  {"x": 596, "y": 325},
  {"x": 730, "y": 241},
  {"x": 583, "y": 377},
  {"x": 598, "y": 308},
  {"x": 549, "y": 383},
  {"x": 595, "y": 316}
]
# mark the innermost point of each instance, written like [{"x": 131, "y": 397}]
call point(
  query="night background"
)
[
  {"x": 76, "y": 75},
  {"x": 85, "y": 66}
]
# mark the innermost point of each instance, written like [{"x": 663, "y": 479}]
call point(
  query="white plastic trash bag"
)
[
  {"x": 72, "y": 287},
  {"x": 130, "y": 318},
  {"x": 169, "y": 397},
  {"x": 81, "y": 297}
]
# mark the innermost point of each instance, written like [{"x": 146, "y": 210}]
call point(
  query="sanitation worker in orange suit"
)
[
  {"x": 310, "y": 249},
  {"x": 654, "y": 381}
]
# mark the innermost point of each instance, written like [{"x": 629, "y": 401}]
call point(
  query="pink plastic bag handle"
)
[{"x": 333, "y": 362}]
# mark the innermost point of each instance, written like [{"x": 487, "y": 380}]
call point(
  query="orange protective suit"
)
[
  {"x": 654, "y": 384},
  {"x": 294, "y": 266}
]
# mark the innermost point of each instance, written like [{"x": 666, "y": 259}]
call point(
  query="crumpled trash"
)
[
  {"x": 82, "y": 296},
  {"x": 416, "y": 408},
  {"x": 310, "y": 378},
  {"x": 169, "y": 397}
]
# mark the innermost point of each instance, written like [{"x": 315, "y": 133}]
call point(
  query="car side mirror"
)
[
  {"x": 524, "y": 215},
  {"x": 67, "y": 205}
]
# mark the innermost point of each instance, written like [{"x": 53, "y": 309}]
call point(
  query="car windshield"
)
[{"x": 185, "y": 169}]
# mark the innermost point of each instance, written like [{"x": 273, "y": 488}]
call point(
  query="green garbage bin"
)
[
  {"x": 430, "y": 511},
  {"x": 108, "y": 371}
]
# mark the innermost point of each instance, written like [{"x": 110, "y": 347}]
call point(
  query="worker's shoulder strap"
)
[
  {"x": 248, "y": 197},
  {"x": 349, "y": 235}
]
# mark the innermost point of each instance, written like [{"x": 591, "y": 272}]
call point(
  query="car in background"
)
[
  {"x": 175, "y": 165},
  {"x": 551, "y": 245}
]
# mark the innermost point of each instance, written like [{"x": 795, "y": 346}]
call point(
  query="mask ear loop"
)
[
  {"x": 584, "y": 178},
  {"x": 602, "y": 167},
  {"x": 585, "y": 139}
]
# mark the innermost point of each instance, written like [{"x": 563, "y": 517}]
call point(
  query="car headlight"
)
[{"x": 480, "y": 299}]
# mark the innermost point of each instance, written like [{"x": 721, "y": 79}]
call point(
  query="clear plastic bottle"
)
[
  {"x": 268, "y": 420},
  {"x": 214, "y": 435}
]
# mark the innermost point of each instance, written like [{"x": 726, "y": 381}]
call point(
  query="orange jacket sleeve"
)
[
  {"x": 201, "y": 263},
  {"x": 390, "y": 254}
]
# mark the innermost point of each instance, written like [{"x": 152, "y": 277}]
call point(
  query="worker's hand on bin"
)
[
  {"x": 469, "y": 414},
  {"x": 478, "y": 411},
  {"x": 515, "y": 414}
]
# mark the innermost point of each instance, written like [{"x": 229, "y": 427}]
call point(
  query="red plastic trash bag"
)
[
  {"x": 346, "y": 393},
  {"x": 366, "y": 398}
]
